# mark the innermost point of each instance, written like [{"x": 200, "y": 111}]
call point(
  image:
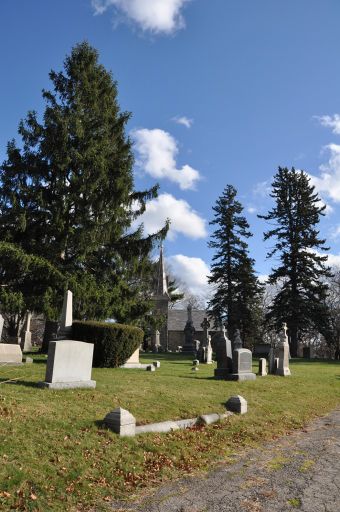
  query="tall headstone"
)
[
  {"x": 66, "y": 318},
  {"x": 262, "y": 367},
  {"x": 189, "y": 331},
  {"x": 206, "y": 353},
  {"x": 155, "y": 341},
  {"x": 26, "y": 338},
  {"x": 271, "y": 360},
  {"x": 209, "y": 352},
  {"x": 283, "y": 363},
  {"x": 272, "y": 356},
  {"x": 69, "y": 365},
  {"x": 223, "y": 354},
  {"x": 1, "y": 325},
  {"x": 205, "y": 326}
]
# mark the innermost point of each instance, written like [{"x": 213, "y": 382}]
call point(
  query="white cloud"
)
[
  {"x": 334, "y": 260},
  {"x": 184, "y": 219},
  {"x": 329, "y": 182},
  {"x": 251, "y": 209},
  {"x": 262, "y": 189},
  {"x": 335, "y": 232},
  {"x": 156, "y": 16},
  {"x": 192, "y": 272},
  {"x": 185, "y": 121},
  {"x": 332, "y": 122},
  {"x": 329, "y": 209},
  {"x": 156, "y": 155}
]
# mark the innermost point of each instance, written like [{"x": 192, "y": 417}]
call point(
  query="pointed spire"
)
[{"x": 162, "y": 285}]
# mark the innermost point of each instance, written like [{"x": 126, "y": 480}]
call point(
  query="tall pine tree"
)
[
  {"x": 68, "y": 192},
  {"x": 301, "y": 272},
  {"x": 236, "y": 288}
]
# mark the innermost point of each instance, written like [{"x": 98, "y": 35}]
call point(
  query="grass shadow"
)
[
  {"x": 313, "y": 361},
  {"x": 101, "y": 424},
  {"x": 19, "y": 382},
  {"x": 194, "y": 375}
]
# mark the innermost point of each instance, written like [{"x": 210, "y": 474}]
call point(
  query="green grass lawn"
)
[{"x": 55, "y": 454}]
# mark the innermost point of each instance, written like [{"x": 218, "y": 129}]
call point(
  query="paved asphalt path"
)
[{"x": 296, "y": 472}]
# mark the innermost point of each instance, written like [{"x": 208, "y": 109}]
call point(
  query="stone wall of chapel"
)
[
  {"x": 176, "y": 339},
  {"x": 161, "y": 306}
]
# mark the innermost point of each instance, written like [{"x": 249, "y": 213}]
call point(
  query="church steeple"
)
[{"x": 162, "y": 284}]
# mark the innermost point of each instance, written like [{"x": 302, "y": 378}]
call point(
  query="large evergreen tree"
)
[
  {"x": 300, "y": 274},
  {"x": 236, "y": 288},
  {"x": 68, "y": 192}
]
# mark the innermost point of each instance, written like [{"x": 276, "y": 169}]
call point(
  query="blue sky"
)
[{"x": 221, "y": 91}]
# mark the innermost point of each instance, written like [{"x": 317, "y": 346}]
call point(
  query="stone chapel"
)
[{"x": 172, "y": 332}]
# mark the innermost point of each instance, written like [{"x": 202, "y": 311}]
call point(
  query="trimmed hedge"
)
[{"x": 113, "y": 343}]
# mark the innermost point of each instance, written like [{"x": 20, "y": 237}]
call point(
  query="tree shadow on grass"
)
[
  {"x": 312, "y": 361},
  {"x": 195, "y": 376},
  {"x": 20, "y": 382}
]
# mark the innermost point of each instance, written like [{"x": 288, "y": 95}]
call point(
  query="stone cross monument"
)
[{"x": 283, "y": 365}]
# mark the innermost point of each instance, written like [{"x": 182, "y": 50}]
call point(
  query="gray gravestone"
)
[
  {"x": 237, "y": 404},
  {"x": 262, "y": 367},
  {"x": 242, "y": 365},
  {"x": 223, "y": 354},
  {"x": 69, "y": 365},
  {"x": 10, "y": 354},
  {"x": 121, "y": 421}
]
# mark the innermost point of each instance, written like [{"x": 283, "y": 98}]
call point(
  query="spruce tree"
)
[
  {"x": 68, "y": 192},
  {"x": 236, "y": 288},
  {"x": 301, "y": 272}
]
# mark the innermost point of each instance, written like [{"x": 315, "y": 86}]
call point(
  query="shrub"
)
[{"x": 113, "y": 343}]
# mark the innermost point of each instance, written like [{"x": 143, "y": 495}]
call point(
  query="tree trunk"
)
[{"x": 294, "y": 342}]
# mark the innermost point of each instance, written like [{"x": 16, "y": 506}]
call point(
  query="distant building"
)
[{"x": 172, "y": 332}]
